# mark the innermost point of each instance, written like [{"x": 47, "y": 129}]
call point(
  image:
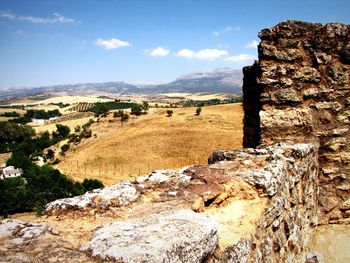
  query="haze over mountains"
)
[{"x": 221, "y": 80}]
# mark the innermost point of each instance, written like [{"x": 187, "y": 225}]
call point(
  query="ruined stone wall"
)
[
  {"x": 287, "y": 175},
  {"x": 299, "y": 90}
]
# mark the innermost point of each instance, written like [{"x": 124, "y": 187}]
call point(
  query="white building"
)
[
  {"x": 10, "y": 172},
  {"x": 38, "y": 121}
]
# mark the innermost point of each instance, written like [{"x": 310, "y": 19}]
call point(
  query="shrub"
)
[
  {"x": 136, "y": 109},
  {"x": 65, "y": 147},
  {"x": 169, "y": 113},
  {"x": 198, "y": 111},
  {"x": 90, "y": 184}
]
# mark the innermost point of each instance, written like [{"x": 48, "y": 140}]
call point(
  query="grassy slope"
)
[{"x": 155, "y": 141}]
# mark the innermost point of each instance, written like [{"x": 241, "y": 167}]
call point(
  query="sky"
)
[{"x": 50, "y": 42}]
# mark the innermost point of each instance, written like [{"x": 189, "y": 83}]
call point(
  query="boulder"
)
[{"x": 171, "y": 236}]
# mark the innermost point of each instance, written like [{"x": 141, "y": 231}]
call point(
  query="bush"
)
[
  {"x": 169, "y": 113},
  {"x": 50, "y": 154},
  {"x": 11, "y": 114},
  {"x": 198, "y": 111},
  {"x": 77, "y": 128},
  {"x": 136, "y": 109},
  {"x": 65, "y": 147},
  {"x": 90, "y": 184},
  {"x": 62, "y": 131}
]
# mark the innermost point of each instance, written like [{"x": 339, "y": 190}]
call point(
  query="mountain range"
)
[{"x": 221, "y": 80}]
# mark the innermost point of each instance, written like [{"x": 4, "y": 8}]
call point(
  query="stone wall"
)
[
  {"x": 287, "y": 175},
  {"x": 299, "y": 90}
]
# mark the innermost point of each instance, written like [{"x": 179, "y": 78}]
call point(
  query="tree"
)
[
  {"x": 65, "y": 147},
  {"x": 145, "y": 106},
  {"x": 77, "y": 128},
  {"x": 198, "y": 111},
  {"x": 124, "y": 117},
  {"x": 169, "y": 113},
  {"x": 50, "y": 154},
  {"x": 62, "y": 131},
  {"x": 136, "y": 109}
]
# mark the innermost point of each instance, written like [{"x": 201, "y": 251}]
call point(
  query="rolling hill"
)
[{"x": 221, "y": 80}]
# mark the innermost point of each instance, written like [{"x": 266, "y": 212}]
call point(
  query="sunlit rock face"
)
[{"x": 299, "y": 91}]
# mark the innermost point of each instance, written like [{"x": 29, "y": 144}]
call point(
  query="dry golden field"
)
[
  {"x": 197, "y": 96},
  {"x": 64, "y": 99},
  {"x": 154, "y": 141}
]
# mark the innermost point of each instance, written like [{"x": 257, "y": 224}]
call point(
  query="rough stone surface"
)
[
  {"x": 172, "y": 236},
  {"x": 116, "y": 195},
  {"x": 29, "y": 242},
  {"x": 299, "y": 91}
]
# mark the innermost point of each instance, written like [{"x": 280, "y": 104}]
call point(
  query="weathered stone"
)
[
  {"x": 328, "y": 203},
  {"x": 340, "y": 131},
  {"x": 116, "y": 195},
  {"x": 172, "y": 236},
  {"x": 271, "y": 52},
  {"x": 339, "y": 74},
  {"x": 345, "y": 205},
  {"x": 344, "y": 186},
  {"x": 336, "y": 30},
  {"x": 336, "y": 143},
  {"x": 307, "y": 74},
  {"x": 322, "y": 58},
  {"x": 314, "y": 257},
  {"x": 344, "y": 117},
  {"x": 286, "y": 95},
  {"x": 237, "y": 253},
  {"x": 286, "y": 118},
  {"x": 324, "y": 105},
  {"x": 316, "y": 92},
  {"x": 30, "y": 242}
]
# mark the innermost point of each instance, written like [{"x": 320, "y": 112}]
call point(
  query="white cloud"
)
[
  {"x": 7, "y": 15},
  {"x": 158, "y": 52},
  {"x": 204, "y": 54},
  {"x": 252, "y": 44},
  {"x": 225, "y": 30},
  {"x": 186, "y": 53},
  {"x": 111, "y": 43},
  {"x": 57, "y": 18},
  {"x": 241, "y": 58},
  {"x": 211, "y": 53}
]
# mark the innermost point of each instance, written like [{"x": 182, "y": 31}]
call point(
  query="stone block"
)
[{"x": 171, "y": 236}]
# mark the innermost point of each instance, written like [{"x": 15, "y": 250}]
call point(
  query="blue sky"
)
[{"x": 138, "y": 41}]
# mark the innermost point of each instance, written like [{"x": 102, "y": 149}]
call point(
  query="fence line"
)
[{"x": 111, "y": 172}]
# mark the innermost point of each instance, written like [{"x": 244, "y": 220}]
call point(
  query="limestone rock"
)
[
  {"x": 172, "y": 236},
  {"x": 314, "y": 257},
  {"x": 325, "y": 105},
  {"x": 344, "y": 117},
  {"x": 336, "y": 143},
  {"x": 116, "y": 195},
  {"x": 286, "y": 118},
  {"x": 307, "y": 74},
  {"x": 30, "y": 242}
]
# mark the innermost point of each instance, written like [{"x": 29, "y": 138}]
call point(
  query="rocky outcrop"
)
[
  {"x": 298, "y": 91},
  {"x": 100, "y": 199},
  {"x": 246, "y": 206},
  {"x": 171, "y": 236},
  {"x": 29, "y": 242}
]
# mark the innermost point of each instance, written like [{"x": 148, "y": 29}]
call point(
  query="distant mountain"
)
[{"x": 221, "y": 80}]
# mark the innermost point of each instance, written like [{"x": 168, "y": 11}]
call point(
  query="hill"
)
[
  {"x": 221, "y": 80},
  {"x": 154, "y": 142}
]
